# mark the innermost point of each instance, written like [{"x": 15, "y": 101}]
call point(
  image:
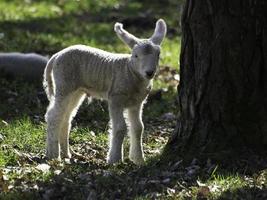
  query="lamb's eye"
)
[{"x": 136, "y": 56}]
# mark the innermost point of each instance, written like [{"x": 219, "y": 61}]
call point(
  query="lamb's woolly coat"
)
[
  {"x": 98, "y": 73},
  {"x": 123, "y": 79}
]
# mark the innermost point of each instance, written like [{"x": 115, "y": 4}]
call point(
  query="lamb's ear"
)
[
  {"x": 126, "y": 37},
  {"x": 160, "y": 32}
]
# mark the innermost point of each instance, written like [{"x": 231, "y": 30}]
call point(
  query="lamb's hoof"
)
[
  {"x": 49, "y": 157},
  {"x": 52, "y": 156},
  {"x": 67, "y": 155},
  {"x": 111, "y": 161},
  {"x": 138, "y": 161}
]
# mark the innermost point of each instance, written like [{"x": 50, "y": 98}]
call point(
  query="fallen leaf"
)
[
  {"x": 214, "y": 188},
  {"x": 170, "y": 191},
  {"x": 201, "y": 184},
  {"x": 3, "y": 182},
  {"x": 1, "y": 137},
  {"x": 166, "y": 180},
  {"x": 43, "y": 167},
  {"x": 203, "y": 192},
  {"x": 57, "y": 172},
  {"x": 92, "y": 133},
  {"x": 4, "y": 122},
  {"x": 177, "y": 77}
]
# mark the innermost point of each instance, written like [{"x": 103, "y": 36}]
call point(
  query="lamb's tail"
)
[{"x": 48, "y": 80}]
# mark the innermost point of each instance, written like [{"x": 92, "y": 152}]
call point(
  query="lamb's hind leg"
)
[
  {"x": 136, "y": 130},
  {"x": 58, "y": 117},
  {"x": 119, "y": 129},
  {"x": 54, "y": 116},
  {"x": 72, "y": 103}
]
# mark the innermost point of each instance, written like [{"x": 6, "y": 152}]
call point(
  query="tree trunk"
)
[{"x": 223, "y": 68}]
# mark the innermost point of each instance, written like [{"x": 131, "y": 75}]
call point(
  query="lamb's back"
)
[
  {"x": 89, "y": 67},
  {"x": 91, "y": 52}
]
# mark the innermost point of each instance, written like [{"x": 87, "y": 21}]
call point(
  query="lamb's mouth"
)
[
  {"x": 150, "y": 74},
  {"x": 149, "y": 77}
]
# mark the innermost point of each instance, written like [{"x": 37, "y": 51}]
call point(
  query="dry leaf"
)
[
  {"x": 203, "y": 192},
  {"x": 43, "y": 167}
]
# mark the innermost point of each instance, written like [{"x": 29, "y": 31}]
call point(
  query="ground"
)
[{"x": 46, "y": 27}]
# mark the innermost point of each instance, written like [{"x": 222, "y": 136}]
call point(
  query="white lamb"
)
[{"x": 124, "y": 80}]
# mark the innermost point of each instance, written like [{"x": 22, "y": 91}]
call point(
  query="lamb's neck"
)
[{"x": 120, "y": 60}]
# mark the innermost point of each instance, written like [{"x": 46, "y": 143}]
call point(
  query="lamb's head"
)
[{"x": 145, "y": 52}]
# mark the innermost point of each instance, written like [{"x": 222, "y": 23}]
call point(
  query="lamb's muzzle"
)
[{"x": 124, "y": 80}]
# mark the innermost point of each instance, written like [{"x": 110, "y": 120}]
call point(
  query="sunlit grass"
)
[
  {"x": 220, "y": 183},
  {"x": 49, "y": 26},
  {"x": 20, "y": 135},
  {"x": 170, "y": 52},
  {"x": 21, "y": 10},
  {"x": 30, "y": 9}
]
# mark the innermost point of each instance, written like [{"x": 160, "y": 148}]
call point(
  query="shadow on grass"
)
[
  {"x": 165, "y": 179},
  {"x": 88, "y": 180}
]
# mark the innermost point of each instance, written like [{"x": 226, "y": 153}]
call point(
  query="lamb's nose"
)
[{"x": 149, "y": 73}]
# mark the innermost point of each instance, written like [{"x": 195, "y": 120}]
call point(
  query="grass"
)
[
  {"x": 48, "y": 26},
  {"x": 20, "y": 135}
]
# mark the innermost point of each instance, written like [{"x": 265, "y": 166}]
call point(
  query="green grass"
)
[
  {"x": 31, "y": 9},
  {"x": 22, "y": 136},
  {"x": 217, "y": 184}
]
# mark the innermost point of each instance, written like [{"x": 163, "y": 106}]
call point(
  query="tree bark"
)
[{"x": 223, "y": 69}]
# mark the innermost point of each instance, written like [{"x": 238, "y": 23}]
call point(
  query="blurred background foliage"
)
[{"x": 46, "y": 26}]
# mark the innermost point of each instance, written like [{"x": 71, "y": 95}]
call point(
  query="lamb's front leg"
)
[
  {"x": 119, "y": 130},
  {"x": 136, "y": 131}
]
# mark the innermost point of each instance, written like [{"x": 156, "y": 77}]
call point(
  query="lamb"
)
[{"x": 124, "y": 80}]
